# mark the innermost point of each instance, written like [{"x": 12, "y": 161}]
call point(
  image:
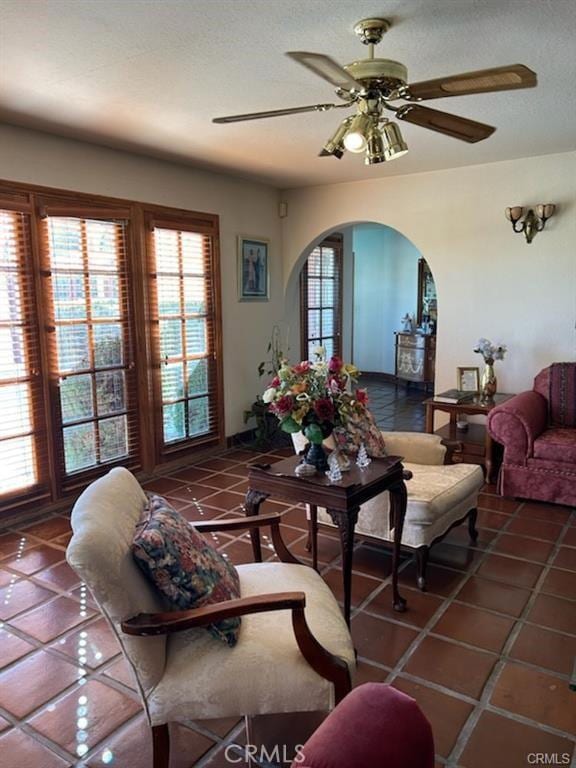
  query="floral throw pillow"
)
[
  {"x": 188, "y": 571},
  {"x": 360, "y": 428}
]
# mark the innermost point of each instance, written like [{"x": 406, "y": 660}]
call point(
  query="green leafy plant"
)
[{"x": 267, "y": 431}]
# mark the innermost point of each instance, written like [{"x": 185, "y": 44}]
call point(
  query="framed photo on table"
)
[
  {"x": 468, "y": 379},
  {"x": 253, "y": 269}
]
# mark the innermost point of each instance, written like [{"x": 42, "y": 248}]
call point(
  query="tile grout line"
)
[{"x": 492, "y": 681}]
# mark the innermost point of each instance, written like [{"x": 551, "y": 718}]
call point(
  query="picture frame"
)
[
  {"x": 468, "y": 379},
  {"x": 253, "y": 269}
]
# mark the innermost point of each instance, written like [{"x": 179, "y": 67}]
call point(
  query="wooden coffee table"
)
[{"x": 341, "y": 500}]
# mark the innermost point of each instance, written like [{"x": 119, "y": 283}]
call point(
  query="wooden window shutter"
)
[
  {"x": 90, "y": 342},
  {"x": 185, "y": 320},
  {"x": 321, "y": 299},
  {"x": 23, "y": 453}
]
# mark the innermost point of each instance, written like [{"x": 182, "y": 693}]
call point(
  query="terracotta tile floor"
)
[{"x": 488, "y": 651}]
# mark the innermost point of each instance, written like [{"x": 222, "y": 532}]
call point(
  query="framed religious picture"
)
[
  {"x": 468, "y": 379},
  {"x": 253, "y": 269}
]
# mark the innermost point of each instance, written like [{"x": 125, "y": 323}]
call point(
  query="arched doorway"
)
[{"x": 367, "y": 293}]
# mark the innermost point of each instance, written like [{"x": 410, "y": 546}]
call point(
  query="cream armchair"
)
[
  {"x": 294, "y": 651},
  {"x": 440, "y": 496}
]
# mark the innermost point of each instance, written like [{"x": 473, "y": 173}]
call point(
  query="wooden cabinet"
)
[{"x": 415, "y": 357}]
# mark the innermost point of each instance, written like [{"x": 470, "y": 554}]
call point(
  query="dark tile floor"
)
[
  {"x": 487, "y": 652},
  {"x": 395, "y": 408}
]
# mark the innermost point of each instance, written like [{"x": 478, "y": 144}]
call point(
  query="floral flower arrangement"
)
[
  {"x": 314, "y": 397},
  {"x": 490, "y": 351}
]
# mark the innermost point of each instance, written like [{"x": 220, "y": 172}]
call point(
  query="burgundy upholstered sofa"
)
[{"x": 538, "y": 432}]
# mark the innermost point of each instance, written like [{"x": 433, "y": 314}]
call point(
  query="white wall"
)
[
  {"x": 489, "y": 281},
  {"x": 244, "y": 208},
  {"x": 385, "y": 288}
]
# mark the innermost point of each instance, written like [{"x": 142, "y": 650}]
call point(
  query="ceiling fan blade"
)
[
  {"x": 275, "y": 113},
  {"x": 326, "y": 68},
  {"x": 451, "y": 125},
  {"x": 481, "y": 81}
]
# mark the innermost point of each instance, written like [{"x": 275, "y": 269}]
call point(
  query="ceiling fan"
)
[{"x": 371, "y": 84}]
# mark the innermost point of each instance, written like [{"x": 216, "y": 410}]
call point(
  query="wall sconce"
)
[{"x": 533, "y": 222}]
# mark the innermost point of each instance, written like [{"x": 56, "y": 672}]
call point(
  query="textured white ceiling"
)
[{"x": 150, "y": 76}]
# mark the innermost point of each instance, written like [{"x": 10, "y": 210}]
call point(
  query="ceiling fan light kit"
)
[{"x": 370, "y": 85}]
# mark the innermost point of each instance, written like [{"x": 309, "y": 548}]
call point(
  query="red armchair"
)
[
  {"x": 374, "y": 726},
  {"x": 538, "y": 431}
]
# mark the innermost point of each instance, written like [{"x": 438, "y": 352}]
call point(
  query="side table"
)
[
  {"x": 473, "y": 407},
  {"x": 342, "y": 501}
]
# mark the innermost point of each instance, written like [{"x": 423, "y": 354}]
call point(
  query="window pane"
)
[
  {"x": 69, "y": 297},
  {"x": 313, "y": 293},
  {"x": 198, "y": 416},
  {"x": 10, "y": 299},
  {"x": 197, "y": 377},
  {"x": 15, "y": 416},
  {"x": 166, "y": 248},
  {"x": 17, "y": 466},
  {"x": 328, "y": 293},
  {"x": 104, "y": 296},
  {"x": 170, "y": 338},
  {"x": 194, "y": 295},
  {"x": 328, "y": 262},
  {"x": 113, "y": 438},
  {"x": 168, "y": 295},
  {"x": 79, "y": 447},
  {"x": 328, "y": 344},
  {"x": 173, "y": 381},
  {"x": 312, "y": 344},
  {"x": 192, "y": 253},
  {"x": 108, "y": 345},
  {"x": 66, "y": 244},
  {"x": 173, "y": 417},
  {"x": 72, "y": 342},
  {"x": 314, "y": 323},
  {"x": 314, "y": 263},
  {"x": 110, "y": 392},
  {"x": 12, "y": 354},
  {"x": 196, "y": 336},
  {"x": 327, "y": 322},
  {"x": 76, "y": 398},
  {"x": 102, "y": 244}
]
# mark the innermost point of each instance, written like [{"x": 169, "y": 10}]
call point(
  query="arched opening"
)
[{"x": 365, "y": 292}]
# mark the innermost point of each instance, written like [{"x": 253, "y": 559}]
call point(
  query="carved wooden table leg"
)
[
  {"x": 346, "y": 522},
  {"x": 252, "y": 507},
  {"x": 398, "y": 498},
  {"x": 313, "y": 533}
]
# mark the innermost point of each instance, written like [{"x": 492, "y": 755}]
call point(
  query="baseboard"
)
[{"x": 380, "y": 375}]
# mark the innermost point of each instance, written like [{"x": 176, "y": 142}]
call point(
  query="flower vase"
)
[
  {"x": 316, "y": 456},
  {"x": 488, "y": 384}
]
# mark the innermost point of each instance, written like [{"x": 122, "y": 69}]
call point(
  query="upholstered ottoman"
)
[{"x": 440, "y": 496}]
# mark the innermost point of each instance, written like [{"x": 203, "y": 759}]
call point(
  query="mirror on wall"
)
[{"x": 427, "y": 307}]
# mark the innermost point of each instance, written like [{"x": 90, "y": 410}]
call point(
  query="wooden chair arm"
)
[
  {"x": 237, "y": 523},
  {"x": 328, "y": 666},
  {"x": 177, "y": 621},
  {"x": 273, "y": 519}
]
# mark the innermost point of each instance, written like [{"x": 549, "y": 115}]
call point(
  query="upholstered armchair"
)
[
  {"x": 294, "y": 651},
  {"x": 538, "y": 431},
  {"x": 376, "y": 726},
  {"x": 440, "y": 496}
]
